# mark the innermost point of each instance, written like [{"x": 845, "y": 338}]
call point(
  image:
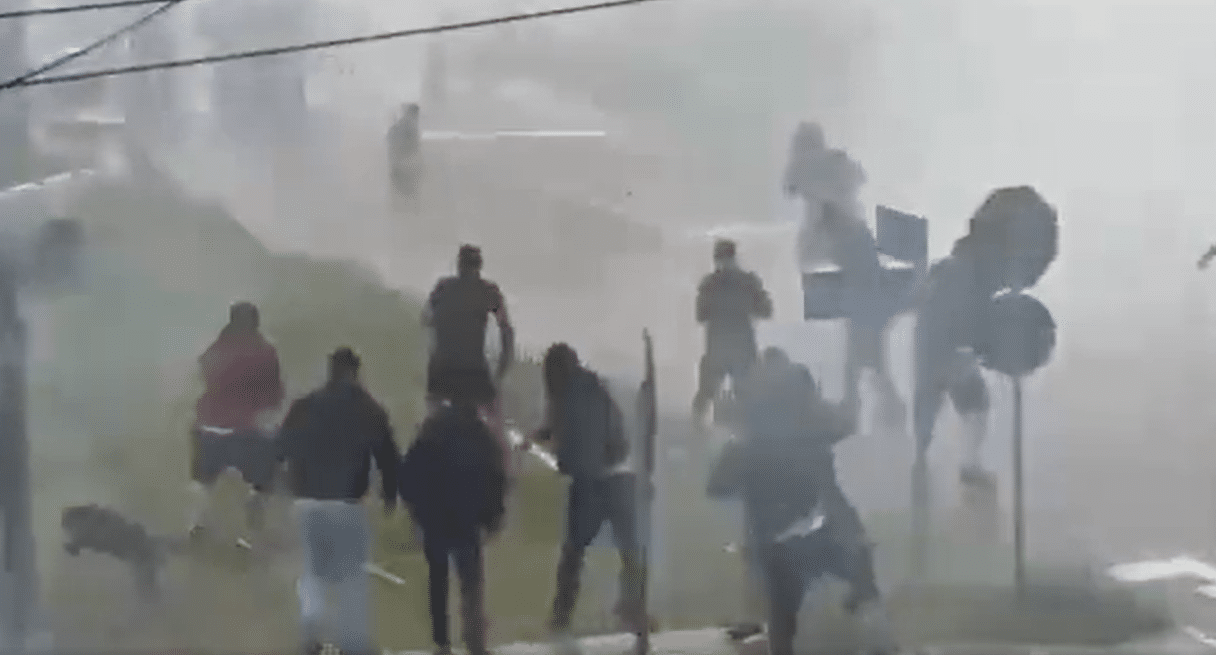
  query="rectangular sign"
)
[
  {"x": 901, "y": 235},
  {"x": 823, "y": 295}
]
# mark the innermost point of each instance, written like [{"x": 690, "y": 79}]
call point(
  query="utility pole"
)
[
  {"x": 19, "y": 591},
  {"x": 18, "y": 582},
  {"x": 39, "y": 253},
  {"x": 14, "y": 104}
]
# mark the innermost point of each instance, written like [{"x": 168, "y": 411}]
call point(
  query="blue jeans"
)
[{"x": 336, "y": 542}]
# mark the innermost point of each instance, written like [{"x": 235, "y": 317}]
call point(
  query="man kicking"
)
[
  {"x": 783, "y": 468},
  {"x": 234, "y": 418}
]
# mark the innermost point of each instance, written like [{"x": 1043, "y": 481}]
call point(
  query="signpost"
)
[
  {"x": 1012, "y": 239},
  {"x": 1019, "y": 338},
  {"x": 647, "y": 408}
]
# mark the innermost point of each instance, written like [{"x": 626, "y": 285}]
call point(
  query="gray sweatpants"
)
[{"x": 336, "y": 542}]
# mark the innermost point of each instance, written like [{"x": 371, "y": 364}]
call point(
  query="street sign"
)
[
  {"x": 902, "y": 236},
  {"x": 826, "y": 294},
  {"x": 1018, "y": 337},
  {"x": 1019, "y": 233}
]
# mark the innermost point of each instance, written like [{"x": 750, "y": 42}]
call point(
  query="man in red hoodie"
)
[{"x": 233, "y": 416}]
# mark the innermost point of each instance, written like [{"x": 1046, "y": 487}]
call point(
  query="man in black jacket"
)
[
  {"x": 328, "y": 439},
  {"x": 453, "y": 481},
  {"x": 783, "y": 468},
  {"x": 587, "y": 432}
]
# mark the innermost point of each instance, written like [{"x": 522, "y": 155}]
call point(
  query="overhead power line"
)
[
  {"x": 24, "y": 81},
  {"x": 69, "y": 9},
  {"x": 28, "y": 77}
]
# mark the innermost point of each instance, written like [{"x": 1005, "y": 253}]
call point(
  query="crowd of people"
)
[{"x": 454, "y": 476}]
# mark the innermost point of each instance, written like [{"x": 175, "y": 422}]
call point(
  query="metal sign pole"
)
[
  {"x": 1019, "y": 511},
  {"x": 648, "y": 421}
]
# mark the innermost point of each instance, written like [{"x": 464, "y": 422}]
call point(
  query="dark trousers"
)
[
  {"x": 591, "y": 503},
  {"x": 933, "y": 383},
  {"x": 718, "y": 363},
  {"x": 790, "y": 568},
  {"x": 466, "y": 553}
]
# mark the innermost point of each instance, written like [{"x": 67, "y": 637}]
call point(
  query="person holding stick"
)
[{"x": 585, "y": 429}]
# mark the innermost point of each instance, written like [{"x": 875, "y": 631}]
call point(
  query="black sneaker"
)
[{"x": 743, "y": 631}]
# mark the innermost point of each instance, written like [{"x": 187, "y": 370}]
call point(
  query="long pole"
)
[
  {"x": 20, "y": 587},
  {"x": 14, "y": 107},
  {"x": 1019, "y": 510},
  {"x": 648, "y": 419}
]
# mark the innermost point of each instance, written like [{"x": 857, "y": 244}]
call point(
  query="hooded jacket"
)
[{"x": 452, "y": 476}]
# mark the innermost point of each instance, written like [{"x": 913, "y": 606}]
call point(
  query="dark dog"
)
[{"x": 104, "y": 530}]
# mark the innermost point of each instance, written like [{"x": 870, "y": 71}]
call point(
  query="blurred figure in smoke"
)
[
  {"x": 456, "y": 315},
  {"x": 948, "y": 323},
  {"x": 585, "y": 428},
  {"x": 233, "y": 425},
  {"x": 800, "y": 526},
  {"x": 453, "y": 481},
  {"x": 728, "y": 301},
  {"x": 405, "y": 150},
  {"x": 833, "y": 232},
  {"x": 329, "y": 439}
]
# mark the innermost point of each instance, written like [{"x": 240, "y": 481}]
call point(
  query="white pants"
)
[{"x": 336, "y": 542}]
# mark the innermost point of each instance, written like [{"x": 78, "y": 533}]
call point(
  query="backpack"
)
[{"x": 592, "y": 435}]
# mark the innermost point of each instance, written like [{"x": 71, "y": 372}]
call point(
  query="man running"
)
[
  {"x": 456, "y": 315},
  {"x": 235, "y": 415},
  {"x": 586, "y": 430},
  {"x": 728, "y": 301},
  {"x": 946, "y": 329},
  {"x": 834, "y": 232},
  {"x": 783, "y": 468},
  {"x": 329, "y": 439}
]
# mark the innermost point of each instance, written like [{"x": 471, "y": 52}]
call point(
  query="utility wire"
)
[
  {"x": 25, "y": 80},
  {"x": 43, "y": 11}
]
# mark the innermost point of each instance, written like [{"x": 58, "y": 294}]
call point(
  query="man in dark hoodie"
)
[
  {"x": 800, "y": 525},
  {"x": 453, "y": 481},
  {"x": 329, "y": 439},
  {"x": 587, "y": 432},
  {"x": 234, "y": 416}
]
